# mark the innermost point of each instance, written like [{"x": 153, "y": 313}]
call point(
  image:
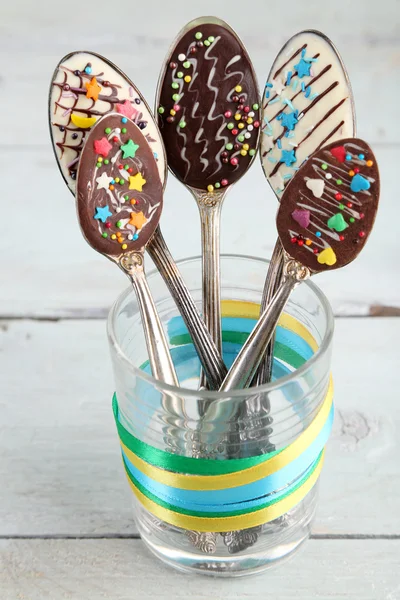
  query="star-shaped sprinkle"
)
[
  {"x": 136, "y": 182},
  {"x": 278, "y": 86},
  {"x": 129, "y": 149},
  {"x": 289, "y": 120},
  {"x": 102, "y": 213},
  {"x": 103, "y": 181},
  {"x": 137, "y": 220},
  {"x": 102, "y": 146},
  {"x": 303, "y": 68},
  {"x": 288, "y": 157},
  {"x": 126, "y": 109},
  {"x": 93, "y": 89}
]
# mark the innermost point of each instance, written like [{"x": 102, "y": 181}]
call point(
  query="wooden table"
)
[{"x": 66, "y": 528}]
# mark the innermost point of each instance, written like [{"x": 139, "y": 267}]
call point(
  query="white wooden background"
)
[{"x": 66, "y": 530}]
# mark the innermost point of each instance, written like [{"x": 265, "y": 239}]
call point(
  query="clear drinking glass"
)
[{"x": 223, "y": 426}]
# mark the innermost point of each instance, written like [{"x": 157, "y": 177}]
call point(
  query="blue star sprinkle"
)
[
  {"x": 102, "y": 213},
  {"x": 288, "y": 157},
  {"x": 303, "y": 68},
  {"x": 289, "y": 120}
]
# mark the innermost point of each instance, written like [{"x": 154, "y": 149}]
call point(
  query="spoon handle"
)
[
  {"x": 211, "y": 360},
  {"x": 210, "y": 205},
  {"x": 271, "y": 286},
  {"x": 159, "y": 356},
  {"x": 250, "y": 356}
]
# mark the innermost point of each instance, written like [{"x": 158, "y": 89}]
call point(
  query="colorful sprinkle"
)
[
  {"x": 210, "y": 188},
  {"x": 318, "y": 234},
  {"x": 198, "y": 35},
  {"x": 188, "y": 79},
  {"x": 324, "y": 166},
  {"x": 186, "y": 64}
]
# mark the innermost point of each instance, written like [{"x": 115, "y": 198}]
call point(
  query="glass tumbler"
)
[{"x": 184, "y": 437}]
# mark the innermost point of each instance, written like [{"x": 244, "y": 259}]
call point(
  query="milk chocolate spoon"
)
[
  {"x": 209, "y": 118},
  {"x": 119, "y": 200},
  {"x": 308, "y": 103},
  {"x": 325, "y": 217},
  {"x": 85, "y": 87}
]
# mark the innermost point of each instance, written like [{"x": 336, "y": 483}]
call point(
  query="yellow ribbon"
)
[
  {"x": 251, "y": 310},
  {"x": 230, "y": 523},
  {"x": 230, "y": 480}
]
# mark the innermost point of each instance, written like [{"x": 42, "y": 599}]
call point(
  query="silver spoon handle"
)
[
  {"x": 249, "y": 357},
  {"x": 210, "y": 217},
  {"x": 210, "y": 204},
  {"x": 159, "y": 357},
  {"x": 271, "y": 286},
  {"x": 210, "y": 358}
]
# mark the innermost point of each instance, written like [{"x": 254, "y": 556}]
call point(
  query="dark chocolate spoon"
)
[{"x": 209, "y": 118}]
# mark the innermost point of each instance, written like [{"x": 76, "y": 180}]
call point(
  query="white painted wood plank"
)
[
  {"x": 38, "y": 36},
  {"x": 124, "y": 570},
  {"x": 60, "y": 467},
  {"x": 57, "y": 274}
]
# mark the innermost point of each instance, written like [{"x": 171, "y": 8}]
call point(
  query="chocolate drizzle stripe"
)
[
  {"x": 326, "y": 116},
  {"x": 288, "y": 61},
  {"x": 313, "y": 103},
  {"x": 330, "y": 135},
  {"x": 293, "y": 77},
  {"x": 324, "y": 70}
]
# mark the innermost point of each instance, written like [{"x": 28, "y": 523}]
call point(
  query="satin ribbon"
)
[
  {"x": 270, "y": 511},
  {"x": 177, "y": 471},
  {"x": 227, "y": 500},
  {"x": 210, "y": 495}
]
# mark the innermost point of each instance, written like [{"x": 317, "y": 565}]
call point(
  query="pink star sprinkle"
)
[
  {"x": 126, "y": 109},
  {"x": 102, "y": 146}
]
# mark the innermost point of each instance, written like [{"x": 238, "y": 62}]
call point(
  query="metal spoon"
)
[
  {"x": 70, "y": 98},
  {"x": 325, "y": 217},
  {"x": 208, "y": 108},
  {"x": 119, "y": 200},
  {"x": 308, "y": 102}
]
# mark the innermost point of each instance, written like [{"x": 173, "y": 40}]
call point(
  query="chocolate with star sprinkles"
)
[{"x": 119, "y": 191}]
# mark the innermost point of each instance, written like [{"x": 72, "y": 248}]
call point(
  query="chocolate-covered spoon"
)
[
  {"x": 325, "y": 217},
  {"x": 119, "y": 199},
  {"x": 85, "y": 87},
  {"x": 208, "y": 108},
  {"x": 307, "y": 104}
]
